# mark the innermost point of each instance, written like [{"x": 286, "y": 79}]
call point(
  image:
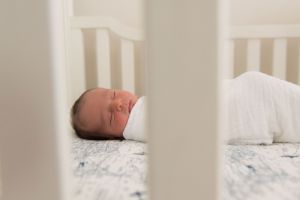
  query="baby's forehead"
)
[
  {"x": 92, "y": 108},
  {"x": 97, "y": 92},
  {"x": 95, "y": 99}
]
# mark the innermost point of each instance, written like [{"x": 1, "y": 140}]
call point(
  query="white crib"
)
[
  {"x": 130, "y": 58},
  {"x": 183, "y": 74},
  {"x": 252, "y": 38},
  {"x": 280, "y": 37}
]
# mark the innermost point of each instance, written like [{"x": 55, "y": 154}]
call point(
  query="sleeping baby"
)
[
  {"x": 260, "y": 109},
  {"x": 109, "y": 114}
]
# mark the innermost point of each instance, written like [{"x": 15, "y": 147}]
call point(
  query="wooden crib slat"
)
[
  {"x": 279, "y": 58},
  {"x": 127, "y": 63},
  {"x": 103, "y": 58},
  {"x": 253, "y": 55},
  {"x": 77, "y": 64},
  {"x": 0, "y": 182},
  {"x": 298, "y": 64},
  {"x": 229, "y": 59}
]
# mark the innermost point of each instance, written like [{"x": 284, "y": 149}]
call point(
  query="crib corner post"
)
[
  {"x": 182, "y": 86},
  {"x": 34, "y": 119}
]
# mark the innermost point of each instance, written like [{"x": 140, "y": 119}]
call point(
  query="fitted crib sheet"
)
[
  {"x": 256, "y": 172},
  {"x": 109, "y": 170}
]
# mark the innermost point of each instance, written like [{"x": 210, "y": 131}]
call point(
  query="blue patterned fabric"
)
[
  {"x": 110, "y": 170},
  {"x": 270, "y": 172}
]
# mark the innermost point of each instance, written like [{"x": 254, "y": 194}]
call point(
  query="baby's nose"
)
[{"x": 117, "y": 105}]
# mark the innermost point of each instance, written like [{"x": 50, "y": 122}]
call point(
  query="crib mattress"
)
[{"x": 109, "y": 170}]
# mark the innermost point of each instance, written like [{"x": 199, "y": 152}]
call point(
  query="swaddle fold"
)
[
  {"x": 135, "y": 127},
  {"x": 261, "y": 109}
]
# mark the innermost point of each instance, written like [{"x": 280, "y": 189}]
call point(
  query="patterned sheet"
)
[
  {"x": 262, "y": 172},
  {"x": 116, "y": 170},
  {"x": 109, "y": 170}
]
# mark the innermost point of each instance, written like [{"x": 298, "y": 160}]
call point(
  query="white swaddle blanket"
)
[
  {"x": 135, "y": 127},
  {"x": 262, "y": 109}
]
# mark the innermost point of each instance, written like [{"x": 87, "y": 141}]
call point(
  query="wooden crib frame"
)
[
  {"x": 184, "y": 71},
  {"x": 279, "y": 34}
]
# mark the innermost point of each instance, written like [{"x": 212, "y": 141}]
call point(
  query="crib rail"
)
[
  {"x": 279, "y": 34},
  {"x": 103, "y": 26},
  {"x": 107, "y": 23},
  {"x": 264, "y": 31}
]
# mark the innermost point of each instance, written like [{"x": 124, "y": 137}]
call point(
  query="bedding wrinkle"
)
[
  {"x": 135, "y": 127},
  {"x": 259, "y": 109},
  {"x": 262, "y": 109}
]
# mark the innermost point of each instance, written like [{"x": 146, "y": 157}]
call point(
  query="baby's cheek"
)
[{"x": 121, "y": 120}]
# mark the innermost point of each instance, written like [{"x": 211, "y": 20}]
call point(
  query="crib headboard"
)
[
  {"x": 118, "y": 54},
  {"x": 273, "y": 49}
]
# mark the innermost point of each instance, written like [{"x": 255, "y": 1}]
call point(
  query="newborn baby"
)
[
  {"x": 109, "y": 114},
  {"x": 261, "y": 109}
]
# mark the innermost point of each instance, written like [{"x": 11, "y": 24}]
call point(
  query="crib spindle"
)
[
  {"x": 103, "y": 58},
  {"x": 279, "y": 58},
  {"x": 229, "y": 59},
  {"x": 77, "y": 63},
  {"x": 253, "y": 55},
  {"x": 298, "y": 64},
  {"x": 127, "y": 62}
]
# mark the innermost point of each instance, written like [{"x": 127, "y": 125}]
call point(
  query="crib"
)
[
  {"x": 252, "y": 39},
  {"x": 118, "y": 56}
]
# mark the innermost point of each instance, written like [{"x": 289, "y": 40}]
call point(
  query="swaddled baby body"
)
[{"x": 260, "y": 109}]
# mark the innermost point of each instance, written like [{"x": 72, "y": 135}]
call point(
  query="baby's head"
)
[{"x": 102, "y": 113}]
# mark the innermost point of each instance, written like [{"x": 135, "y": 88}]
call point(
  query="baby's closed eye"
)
[
  {"x": 111, "y": 110},
  {"x": 111, "y": 117}
]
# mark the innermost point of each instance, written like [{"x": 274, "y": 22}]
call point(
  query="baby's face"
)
[{"x": 106, "y": 111}]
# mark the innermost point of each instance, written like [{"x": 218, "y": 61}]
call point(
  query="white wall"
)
[
  {"x": 129, "y": 12},
  {"x": 264, "y": 12},
  {"x": 242, "y": 12}
]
